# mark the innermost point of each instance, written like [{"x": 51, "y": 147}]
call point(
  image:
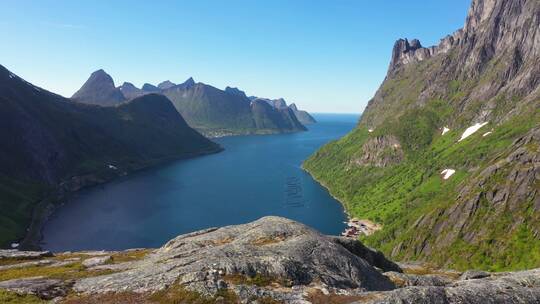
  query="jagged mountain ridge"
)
[
  {"x": 216, "y": 112},
  {"x": 56, "y": 145},
  {"x": 389, "y": 168}
]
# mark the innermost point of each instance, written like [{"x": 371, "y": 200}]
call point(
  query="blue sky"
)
[{"x": 327, "y": 56}]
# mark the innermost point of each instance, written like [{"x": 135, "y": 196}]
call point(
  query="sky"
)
[{"x": 326, "y": 56}]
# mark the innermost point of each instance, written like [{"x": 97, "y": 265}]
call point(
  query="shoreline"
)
[
  {"x": 369, "y": 226},
  {"x": 46, "y": 207}
]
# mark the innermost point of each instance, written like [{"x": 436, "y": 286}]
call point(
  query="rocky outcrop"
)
[
  {"x": 269, "y": 260},
  {"x": 44, "y": 288},
  {"x": 497, "y": 53},
  {"x": 130, "y": 91},
  {"x": 380, "y": 151},
  {"x": 519, "y": 287},
  {"x": 282, "y": 250},
  {"x": 16, "y": 254}
]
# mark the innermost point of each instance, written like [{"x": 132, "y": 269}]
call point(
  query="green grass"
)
[
  {"x": 8, "y": 297},
  {"x": 399, "y": 196}
]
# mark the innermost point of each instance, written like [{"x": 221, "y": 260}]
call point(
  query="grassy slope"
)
[{"x": 399, "y": 195}]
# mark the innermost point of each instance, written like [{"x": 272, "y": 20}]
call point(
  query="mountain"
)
[
  {"x": 267, "y": 118},
  {"x": 279, "y": 103},
  {"x": 166, "y": 85},
  {"x": 303, "y": 116},
  {"x": 300, "y": 265},
  {"x": 130, "y": 91},
  {"x": 446, "y": 155},
  {"x": 235, "y": 91},
  {"x": 211, "y": 111},
  {"x": 53, "y": 146},
  {"x": 99, "y": 89},
  {"x": 216, "y": 112},
  {"x": 149, "y": 88}
]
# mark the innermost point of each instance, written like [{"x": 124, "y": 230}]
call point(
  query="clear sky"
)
[{"x": 327, "y": 56}]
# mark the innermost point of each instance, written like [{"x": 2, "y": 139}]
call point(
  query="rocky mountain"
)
[
  {"x": 268, "y": 118},
  {"x": 236, "y": 91},
  {"x": 167, "y": 84},
  {"x": 53, "y": 146},
  {"x": 130, "y": 91},
  {"x": 303, "y": 116},
  {"x": 211, "y": 111},
  {"x": 149, "y": 88},
  {"x": 271, "y": 260},
  {"x": 99, "y": 89},
  {"x": 216, "y": 112},
  {"x": 446, "y": 154},
  {"x": 280, "y": 104}
]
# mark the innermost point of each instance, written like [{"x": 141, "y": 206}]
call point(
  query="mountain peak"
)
[
  {"x": 293, "y": 107},
  {"x": 99, "y": 89},
  {"x": 279, "y": 103},
  {"x": 166, "y": 85},
  {"x": 189, "y": 82},
  {"x": 235, "y": 91},
  {"x": 150, "y": 88}
]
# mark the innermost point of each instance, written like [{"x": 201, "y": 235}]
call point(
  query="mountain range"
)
[
  {"x": 209, "y": 110},
  {"x": 53, "y": 146},
  {"x": 446, "y": 156}
]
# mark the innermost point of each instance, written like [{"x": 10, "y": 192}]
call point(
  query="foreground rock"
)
[
  {"x": 519, "y": 287},
  {"x": 278, "y": 250},
  {"x": 272, "y": 260},
  {"x": 16, "y": 254},
  {"x": 42, "y": 287}
]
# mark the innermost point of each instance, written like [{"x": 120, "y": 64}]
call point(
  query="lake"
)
[{"x": 255, "y": 176}]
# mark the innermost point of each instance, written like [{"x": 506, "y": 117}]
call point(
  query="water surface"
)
[{"x": 255, "y": 176}]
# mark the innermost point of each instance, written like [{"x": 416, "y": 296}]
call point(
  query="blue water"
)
[{"x": 255, "y": 176}]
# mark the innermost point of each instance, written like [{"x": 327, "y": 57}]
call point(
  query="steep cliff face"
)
[
  {"x": 303, "y": 116},
  {"x": 469, "y": 106}
]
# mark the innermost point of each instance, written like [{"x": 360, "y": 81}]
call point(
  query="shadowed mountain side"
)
[{"x": 53, "y": 143}]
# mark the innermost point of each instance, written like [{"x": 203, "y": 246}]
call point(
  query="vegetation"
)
[
  {"x": 52, "y": 141},
  {"x": 8, "y": 297},
  {"x": 399, "y": 196}
]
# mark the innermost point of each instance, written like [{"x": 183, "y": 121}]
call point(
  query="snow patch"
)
[
  {"x": 14, "y": 245},
  {"x": 472, "y": 130},
  {"x": 11, "y": 76},
  {"x": 113, "y": 167},
  {"x": 486, "y": 134},
  {"x": 445, "y": 130},
  {"x": 447, "y": 173}
]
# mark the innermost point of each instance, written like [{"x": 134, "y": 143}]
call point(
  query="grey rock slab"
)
[
  {"x": 516, "y": 287},
  {"x": 404, "y": 280},
  {"x": 42, "y": 287},
  {"x": 16, "y": 254},
  {"x": 272, "y": 246},
  {"x": 96, "y": 261},
  {"x": 26, "y": 264}
]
